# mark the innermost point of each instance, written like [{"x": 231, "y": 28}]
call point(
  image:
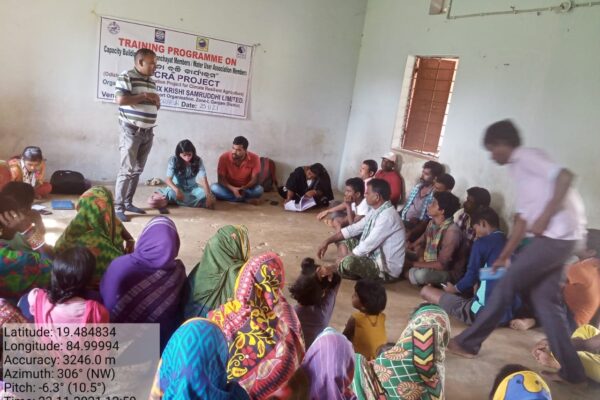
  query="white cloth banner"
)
[{"x": 194, "y": 73}]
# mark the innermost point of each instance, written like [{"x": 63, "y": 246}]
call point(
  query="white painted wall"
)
[
  {"x": 540, "y": 70},
  {"x": 303, "y": 77}
]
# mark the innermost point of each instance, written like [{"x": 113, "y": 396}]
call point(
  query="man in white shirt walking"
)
[{"x": 551, "y": 213}]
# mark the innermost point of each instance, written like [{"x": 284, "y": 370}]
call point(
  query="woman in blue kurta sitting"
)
[{"x": 187, "y": 184}]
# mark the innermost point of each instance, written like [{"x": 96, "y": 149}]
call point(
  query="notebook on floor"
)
[{"x": 62, "y": 205}]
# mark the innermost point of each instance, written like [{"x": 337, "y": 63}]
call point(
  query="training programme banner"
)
[{"x": 194, "y": 73}]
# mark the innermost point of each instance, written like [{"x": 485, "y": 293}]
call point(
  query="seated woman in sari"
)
[
  {"x": 96, "y": 228},
  {"x": 326, "y": 371},
  {"x": 30, "y": 167},
  {"x": 261, "y": 328},
  {"x": 148, "y": 285},
  {"x": 194, "y": 365},
  {"x": 65, "y": 302},
  {"x": 25, "y": 260},
  {"x": 212, "y": 280},
  {"x": 414, "y": 367},
  {"x": 310, "y": 181}
]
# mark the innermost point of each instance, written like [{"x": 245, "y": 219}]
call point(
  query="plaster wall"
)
[
  {"x": 540, "y": 70},
  {"x": 303, "y": 74}
]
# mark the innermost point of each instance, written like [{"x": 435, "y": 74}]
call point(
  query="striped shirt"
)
[
  {"x": 130, "y": 83},
  {"x": 412, "y": 198}
]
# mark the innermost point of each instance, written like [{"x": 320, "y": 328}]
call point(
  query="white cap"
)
[{"x": 390, "y": 155}]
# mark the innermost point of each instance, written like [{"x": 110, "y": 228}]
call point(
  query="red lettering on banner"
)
[
  {"x": 195, "y": 54},
  {"x": 137, "y": 44}
]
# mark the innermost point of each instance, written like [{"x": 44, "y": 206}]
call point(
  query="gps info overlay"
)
[{"x": 77, "y": 362}]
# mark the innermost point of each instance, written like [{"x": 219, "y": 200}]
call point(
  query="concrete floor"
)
[{"x": 297, "y": 235}]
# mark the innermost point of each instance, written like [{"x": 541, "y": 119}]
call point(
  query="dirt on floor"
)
[{"x": 297, "y": 235}]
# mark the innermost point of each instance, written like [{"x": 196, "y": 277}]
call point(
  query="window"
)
[{"x": 424, "y": 103}]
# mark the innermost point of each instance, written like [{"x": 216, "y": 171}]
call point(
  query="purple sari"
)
[{"x": 149, "y": 285}]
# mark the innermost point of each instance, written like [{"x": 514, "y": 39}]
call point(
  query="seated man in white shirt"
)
[
  {"x": 352, "y": 210},
  {"x": 379, "y": 251}
]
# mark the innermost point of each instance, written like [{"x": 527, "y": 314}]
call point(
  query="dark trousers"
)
[
  {"x": 134, "y": 144},
  {"x": 537, "y": 271}
]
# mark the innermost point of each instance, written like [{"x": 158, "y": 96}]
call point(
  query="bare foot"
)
[
  {"x": 542, "y": 354},
  {"x": 522, "y": 324},
  {"x": 455, "y": 349}
]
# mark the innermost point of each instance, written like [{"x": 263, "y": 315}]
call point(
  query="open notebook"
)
[{"x": 304, "y": 204}]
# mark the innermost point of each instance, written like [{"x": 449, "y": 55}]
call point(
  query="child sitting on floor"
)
[
  {"x": 64, "y": 303},
  {"x": 366, "y": 328},
  {"x": 316, "y": 300},
  {"x": 351, "y": 210},
  {"x": 30, "y": 168}
]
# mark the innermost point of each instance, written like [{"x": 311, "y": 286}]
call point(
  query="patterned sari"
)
[
  {"x": 96, "y": 228},
  {"x": 414, "y": 368},
  {"x": 212, "y": 280},
  {"x": 149, "y": 285},
  {"x": 193, "y": 366},
  {"x": 21, "y": 268},
  {"x": 262, "y": 329}
]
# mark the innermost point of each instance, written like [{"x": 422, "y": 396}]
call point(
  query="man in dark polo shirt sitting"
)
[{"x": 238, "y": 171}]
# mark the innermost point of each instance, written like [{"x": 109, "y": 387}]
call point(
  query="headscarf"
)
[
  {"x": 523, "y": 385},
  {"x": 212, "y": 280},
  {"x": 96, "y": 228},
  {"x": 148, "y": 285},
  {"x": 262, "y": 329},
  {"x": 329, "y": 365},
  {"x": 193, "y": 365},
  {"x": 414, "y": 368}
]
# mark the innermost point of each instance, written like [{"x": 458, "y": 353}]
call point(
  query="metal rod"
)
[{"x": 514, "y": 11}]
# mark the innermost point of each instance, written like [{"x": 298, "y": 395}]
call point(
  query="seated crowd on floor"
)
[{"x": 267, "y": 348}]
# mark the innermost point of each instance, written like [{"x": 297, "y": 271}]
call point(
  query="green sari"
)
[
  {"x": 414, "y": 368},
  {"x": 96, "y": 228},
  {"x": 212, "y": 280}
]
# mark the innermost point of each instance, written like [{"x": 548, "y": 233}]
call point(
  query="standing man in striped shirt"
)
[{"x": 135, "y": 93}]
